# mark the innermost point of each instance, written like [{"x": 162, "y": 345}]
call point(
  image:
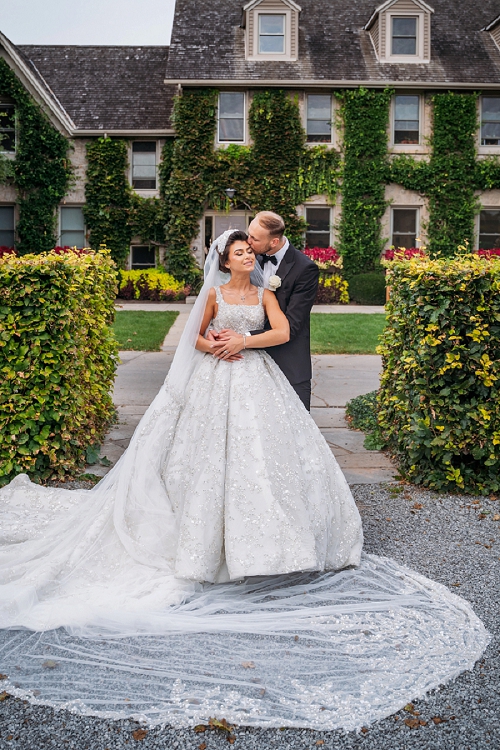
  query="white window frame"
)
[
  {"x": 131, "y": 165},
  {"x": 417, "y": 222},
  {"x": 142, "y": 244},
  {"x": 329, "y": 143},
  {"x": 59, "y": 223},
  {"x": 255, "y": 54},
  {"x": 421, "y": 114},
  {"x": 484, "y": 148},
  {"x": 406, "y": 59},
  {"x": 478, "y": 222},
  {"x": 14, "y": 211},
  {"x": 245, "y": 110},
  {"x": 303, "y": 212}
]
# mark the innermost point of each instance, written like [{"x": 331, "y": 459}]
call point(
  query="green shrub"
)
[
  {"x": 368, "y": 288},
  {"x": 57, "y": 360},
  {"x": 361, "y": 414},
  {"x": 151, "y": 284},
  {"x": 439, "y": 402}
]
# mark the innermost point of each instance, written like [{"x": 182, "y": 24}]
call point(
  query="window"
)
[
  {"x": 72, "y": 227},
  {"x": 271, "y": 34},
  {"x": 404, "y": 227},
  {"x": 319, "y": 118},
  {"x": 404, "y": 35},
  {"x": 231, "y": 117},
  {"x": 318, "y": 226},
  {"x": 142, "y": 256},
  {"x": 144, "y": 165},
  {"x": 6, "y": 226},
  {"x": 7, "y": 128},
  {"x": 406, "y": 119},
  {"x": 490, "y": 121},
  {"x": 489, "y": 229}
]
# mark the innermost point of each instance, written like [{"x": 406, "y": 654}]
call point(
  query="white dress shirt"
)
[{"x": 271, "y": 270}]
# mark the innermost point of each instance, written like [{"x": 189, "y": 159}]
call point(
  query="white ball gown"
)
[{"x": 194, "y": 580}]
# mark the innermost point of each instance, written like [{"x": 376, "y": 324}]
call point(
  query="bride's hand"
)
[{"x": 229, "y": 348}]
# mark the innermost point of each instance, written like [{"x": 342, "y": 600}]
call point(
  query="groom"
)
[{"x": 295, "y": 293}]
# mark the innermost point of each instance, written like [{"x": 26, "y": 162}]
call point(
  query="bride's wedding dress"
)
[{"x": 231, "y": 483}]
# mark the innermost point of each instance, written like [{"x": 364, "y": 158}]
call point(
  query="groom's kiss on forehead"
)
[{"x": 265, "y": 233}]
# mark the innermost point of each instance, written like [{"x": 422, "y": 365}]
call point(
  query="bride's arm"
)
[
  {"x": 279, "y": 333},
  {"x": 203, "y": 345}
]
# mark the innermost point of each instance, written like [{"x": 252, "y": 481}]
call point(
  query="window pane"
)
[
  {"x": 404, "y": 46},
  {"x": 407, "y": 119},
  {"x": 144, "y": 146},
  {"x": 272, "y": 45},
  {"x": 490, "y": 126},
  {"x": 404, "y": 227},
  {"x": 143, "y": 256},
  {"x": 319, "y": 107},
  {"x": 489, "y": 229},
  {"x": 404, "y": 36},
  {"x": 7, "y": 218},
  {"x": 231, "y": 105},
  {"x": 318, "y": 127},
  {"x": 230, "y": 130},
  {"x": 318, "y": 219},
  {"x": 272, "y": 24},
  {"x": 144, "y": 165},
  {"x": 72, "y": 239},
  {"x": 72, "y": 218},
  {"x": 317, "y": 239},
  {"x": 404, "y": 27}
]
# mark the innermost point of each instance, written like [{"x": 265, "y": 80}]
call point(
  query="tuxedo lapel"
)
[{"x": 286, "y": 264}]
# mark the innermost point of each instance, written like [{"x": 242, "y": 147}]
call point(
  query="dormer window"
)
[
  {"x": 404, "y": 35},
  {"x": 271, "y": 30},
  {"x": 272, "y": 34},
  {"x": 400, "y": 31}
]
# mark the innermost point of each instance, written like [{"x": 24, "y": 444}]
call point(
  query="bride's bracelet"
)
[{"x": 244, "y": 341}]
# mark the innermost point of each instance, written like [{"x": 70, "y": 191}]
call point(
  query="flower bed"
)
[
  {"x": 57, "y": 360},
  {"x": 151, "y": 284},
  {"x": 403, "y": 253},
  {"x": 332, "y": 289}
]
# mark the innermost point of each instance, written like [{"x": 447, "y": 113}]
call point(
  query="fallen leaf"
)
[
  {"x": 412, "y": 723},
  {"x": 364, "y": 730},
  {"x": 220, "y": 724},
  {"x": 423, "y": 723},
  {"x": 418, "y": 506},
  {"x": 139, "y": 734},
  {"x": 496, "y": 517},
  {"x": 409, "y": 708},
  {"x": 49, "y": 664},
  {"x": 231, "y": 739},
  {"x": 203, "y": 746},
  {"x": 320, "y": 742},
  {"x": 456, "y": 584},
  {"x": 438, "y": 720},
  {"x": 296, "y": 638},
  {"x": 388, "y": 519},
  {"x": 248, "y": 664},
  {"x": 4, "y": 696},
  {"x": 200, "y": 728},
  {"x": 3, "y": 677}
]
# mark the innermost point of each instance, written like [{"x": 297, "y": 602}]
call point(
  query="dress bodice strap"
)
[{"x": 260, "y": 292}]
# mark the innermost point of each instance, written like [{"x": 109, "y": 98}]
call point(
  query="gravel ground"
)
[{"x": 454, "y": 540}]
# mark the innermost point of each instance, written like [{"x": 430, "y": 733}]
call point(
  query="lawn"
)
[
  {"x": 142, "y": 331},
  {"x": 346, "y": 333}
]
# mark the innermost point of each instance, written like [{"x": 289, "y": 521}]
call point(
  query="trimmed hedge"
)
[
  {"x": 439, "y": 401},
  {"x": 57, "y": 360},
  {"x": 368, "y": 288}
]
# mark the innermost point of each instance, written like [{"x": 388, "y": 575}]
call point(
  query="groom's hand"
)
[
  {"x": 215, "y": 336},
  {"x": 228, "y": 347}
]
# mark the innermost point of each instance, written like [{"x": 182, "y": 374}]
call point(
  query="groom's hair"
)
[
  {"x": 272, "y": 222},
  {"x": 238, "y": 234}
]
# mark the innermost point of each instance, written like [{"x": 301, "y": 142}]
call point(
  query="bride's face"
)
[{"x": 241, "y": 257}]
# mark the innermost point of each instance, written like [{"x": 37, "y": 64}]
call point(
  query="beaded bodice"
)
[{"x": 239, "y": 318}]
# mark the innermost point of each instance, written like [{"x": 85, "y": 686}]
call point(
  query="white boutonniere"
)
[{"x": 274, "y": 283}]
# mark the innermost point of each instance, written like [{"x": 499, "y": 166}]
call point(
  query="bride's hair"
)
[{"x": 238, "y": 234}]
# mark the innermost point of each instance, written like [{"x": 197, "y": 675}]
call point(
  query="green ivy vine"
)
[
  {"x": 365, "y": 116},
  {"x": 114, "y": 213},
  {"x": 41, "y": 170}
]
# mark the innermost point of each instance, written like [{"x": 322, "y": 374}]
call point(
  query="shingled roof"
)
[
  {"x": 208, "y": 46},
  {"x": 107, "y": 88}
]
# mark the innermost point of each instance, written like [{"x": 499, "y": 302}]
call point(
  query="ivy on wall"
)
[
  {"x": 41, "y": 170},
  {"x": 365, "y": 117},
  {"x": 114, "y": 213}
]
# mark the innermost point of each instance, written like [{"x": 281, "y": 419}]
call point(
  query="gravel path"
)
[{"x": 454, "y": 540}]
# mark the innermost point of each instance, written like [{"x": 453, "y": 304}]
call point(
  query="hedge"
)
[
  {"x": 439, "y": 401},
  {"x": 57, "y": 360}
]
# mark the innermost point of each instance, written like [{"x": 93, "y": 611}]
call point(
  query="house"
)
[{"x": 310, "y": 49}]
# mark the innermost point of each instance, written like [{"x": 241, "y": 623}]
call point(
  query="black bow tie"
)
[{"x": 263, "y": 259}]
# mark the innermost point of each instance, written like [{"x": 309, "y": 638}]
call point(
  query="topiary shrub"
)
[
  {"x": 57, "y": 360},
  {"x": 439, "y": 401},
  {"x": 368, "y": 288}
]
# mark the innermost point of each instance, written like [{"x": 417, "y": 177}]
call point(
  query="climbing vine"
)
[
  {"x": 365, "y": 117},
  {"x": 41, "y": 169},
  {"x": 114, "y": 213}
]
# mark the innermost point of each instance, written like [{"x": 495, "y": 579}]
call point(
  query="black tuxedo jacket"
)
[{"x": 299, "y": 285}]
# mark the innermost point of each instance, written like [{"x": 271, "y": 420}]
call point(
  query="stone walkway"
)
[{"x": 337, "y": 378}]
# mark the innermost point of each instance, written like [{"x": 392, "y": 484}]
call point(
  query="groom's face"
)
[{"x": 260, "y": 240}]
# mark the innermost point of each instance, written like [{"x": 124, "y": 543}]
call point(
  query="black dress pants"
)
[{"x": 303, "y": 391}]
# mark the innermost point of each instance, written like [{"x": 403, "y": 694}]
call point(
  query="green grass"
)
[
  {"x": 142, "y": 331},
  {"x": 346, "y": 333}
]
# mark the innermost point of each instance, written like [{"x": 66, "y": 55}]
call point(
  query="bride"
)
[{"x": 227, "y": 480}]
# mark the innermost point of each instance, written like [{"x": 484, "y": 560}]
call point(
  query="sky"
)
[{"x": 120, "y": 22}]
